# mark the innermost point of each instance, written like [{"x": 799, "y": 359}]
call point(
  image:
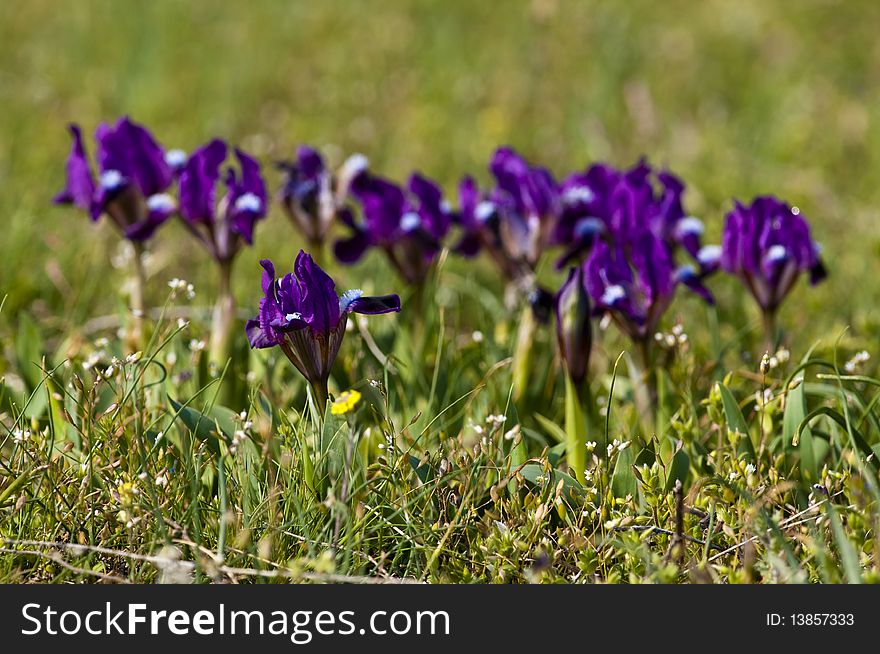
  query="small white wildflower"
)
[
  {"x": 622, "y": 446},
  {"x": 182, "y": 324},
  {"x": 763, "y": 398},
  {"x": 142, "y": 476},
  {"x": 134, "y": 357},
  {"x": 750, "y": 469},
  {"x": 588, "y": 475},
  {"x": 196, "y": 345},
  {"x": 591, "y": 445},
  {"x": 102, "y": 342},
  {"x": 858, "y": 359},
  {"x": 495, "y": 421},
  {"x": 782, "y": 355},
  {"x": 161, "y": 480},
  {"x": 479, "y": 429},
  {"x": 477, "y": 336},
  {"x": 21, "y": 435}
]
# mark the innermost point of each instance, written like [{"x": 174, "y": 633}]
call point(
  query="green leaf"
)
[
  {"x": 849, "y": 557},
  {"x": 422, "y": 469},
  {"x": 811, "y": 451},
  {"x": 679, "y": 470},
  {"x": 858, "y": 440},
  {"x": 28, "y": 351},
  {"x": 218, "y": 425},
  {"x": 735, "y": 421},
  {"x": 571, "y": 489},
  {"x": 623, "y": 480},
  {"x": 554, "y": 430}
]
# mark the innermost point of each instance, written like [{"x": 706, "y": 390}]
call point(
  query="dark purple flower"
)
[
  {"x": 768, "y": 245},
  {"x": 635, "y": 282},
  {"x": 408, "y": 224},
  {"x": 513, "y": 221},
  {"x": 312, "y": 196},
  {"x": 573, "y": 331},
  {"x": 133, "y": 178},
  {"x": 222, "y": 225},
  {"x": 610, "y": 204},
  {"x": 302, "y": 314}
]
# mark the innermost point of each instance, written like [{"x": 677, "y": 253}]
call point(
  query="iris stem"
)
[
  {"x": 522, "y": 354},
  {"x": 138, "y": 306},
  {"x": 224, "y": 318},
  {"x": 322, "y": 394},
  {"x": 768, "y": 318},
  {"x": 644, "y": 385},
  {"x": 576, "y": 428}
]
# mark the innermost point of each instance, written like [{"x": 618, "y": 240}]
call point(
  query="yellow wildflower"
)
[{"x": 345, "y": 403}]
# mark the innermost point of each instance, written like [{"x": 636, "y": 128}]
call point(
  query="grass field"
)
[{"x": 440, "y": 475}]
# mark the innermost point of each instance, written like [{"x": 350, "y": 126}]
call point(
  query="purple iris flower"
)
[
  {"x": 604, "y": 203},
  {"x": 768, "y": 245},
  {"x": 222, "y": 226},
  {"x": 302, "y": 314},
  {"x": 408, "y": 224},
  {"x": 312, "y": 196},
  {"x": 133, "y": 178},
  {"x": 635, "y": 282},
  {"x": 513, "y": 222}
]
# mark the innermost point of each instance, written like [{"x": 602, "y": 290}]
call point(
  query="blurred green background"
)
[{"x": 738, "y": 97}]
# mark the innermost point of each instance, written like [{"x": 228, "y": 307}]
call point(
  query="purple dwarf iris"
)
[
  {"x": 513, "y": 221},
  {"x": 767, "y": 245},
  {"x": 409, "y": 225},
  {"x": 133, "y": 177},
  {"x": 573, "y": 331},
  {"x": 635, "y": 281},
  {"x": 604, "y": 203},
  {"x": 312, "y": 196},
  {"x": 302, "y": 314},
  {"x": 221, "y": 226}
]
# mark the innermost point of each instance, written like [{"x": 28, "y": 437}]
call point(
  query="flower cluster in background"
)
[{"x": 623, "y": 234}]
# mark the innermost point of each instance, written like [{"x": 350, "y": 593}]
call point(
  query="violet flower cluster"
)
[
  {"x": 627, "y": 229},
  {"x": 625, "y": 235}
]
